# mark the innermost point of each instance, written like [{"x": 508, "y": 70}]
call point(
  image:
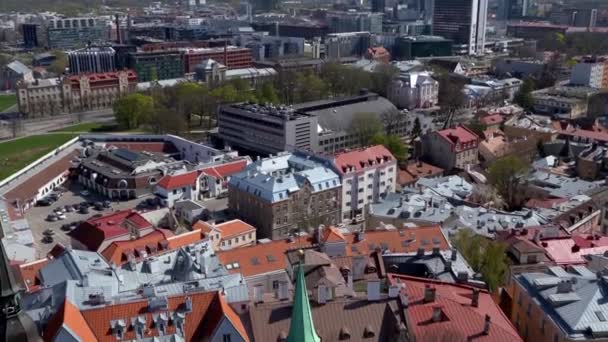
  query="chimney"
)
[
  {"x": 475, "y": 299},
  {"x": 429, "y": 294},
  {"x": 282, "y": 291},
  {"x": 149, "y": 291},
  {"x": 454, "y": 254},
  {"x": 564, "y": 286},
  {"x": 373, "y": 290},
  {"x": 258, "y": 294},
  {"x": 322, "y": 294},
  {"x": 436, "y": 250},
  {"x": 420, "y": 251},
  {"x": 437, "y": 313},
  {"x": 537, "y": 235},
  {"x": 360, "y": 235},
  {"x": 393, "y": 290},
  {"x": 486, "y": 325},
  {"x": 447, "y": 266}
]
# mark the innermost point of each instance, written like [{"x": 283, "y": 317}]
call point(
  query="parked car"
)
[
  {"x": 85, "y": 193},
  {"x": 43, "y": 203},
  {"x": 59, "y": 210},
  {"x": 69, "y": 209},
  {"x": 61, "y": 217},
  {"x": 47, "y": 239},
  {"x": 83, "y": 210},
  {"x": 66, "y": 227},
  {"x": 98, "y": 206},
  {"x": 52, "y": 218},
  {"x": 48, "y": 232},
  {"x": 85, "y": 204},
  {"x": 107, "y": 204}
]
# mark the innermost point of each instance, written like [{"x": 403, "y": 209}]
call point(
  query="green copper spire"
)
[{"x": 302, "y": 328}]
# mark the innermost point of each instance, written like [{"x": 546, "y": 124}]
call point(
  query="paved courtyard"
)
[{"x": 36, "y": 216}]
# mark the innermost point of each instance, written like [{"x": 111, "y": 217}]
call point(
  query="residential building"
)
[
  {"x": 547, "y": 305},
  {"x": 414, "y": 90},
  {"x": 367, "y": 175},
  {"x": 189, "y": 211},
  {"x": 92, "y": 60},
  {"x": 285, "y": 193},
  {"x": 227, "y": 235},
  {"x": 66, "y": 33},
  {"x": 74, "y": 93},
  {"x": 14, "y": 73},
  {"x": 412, "y": 47},
  {"x": 463, "y": 22},
  {"x": 408, "y": 176},
  {"x": 452, "y": 148},
  {"x": 590, "y": 73},
  {"x": 214, "y": 178},
  {"x": 563, "y": 101},
  {"x": 177, "y": 187},
  {"x": 347, "y": 44},
  {"x": 156, "y": 65},
  {"x": 444, "y": 311}
]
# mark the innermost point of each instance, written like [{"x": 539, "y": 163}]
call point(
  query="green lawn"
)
[
  {"x": 16, "y": 154},
  {"x": 96, "y": 127},
  {"x": 6, "y": 101}
]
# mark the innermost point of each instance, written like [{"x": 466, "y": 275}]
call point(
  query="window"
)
[
  {"x": 175, "y": 192},
  {"x": 275, "y": 284},
  {"x": 369, "y": 186},
  {"x": 226, "y": 338},
  {"x": 360, "y": 189}
]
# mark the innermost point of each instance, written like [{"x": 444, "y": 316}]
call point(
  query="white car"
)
[
  {"x": 61, "y": 216},
  {"x": 85, "y": 193}
]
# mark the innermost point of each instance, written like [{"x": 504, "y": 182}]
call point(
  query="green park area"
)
[
  {"x": 16, "y": 154},
  {"x": 7, "y": 101}
]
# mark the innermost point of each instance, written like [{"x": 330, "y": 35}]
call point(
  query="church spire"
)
[
  {"x": 15, "y": 325},
  {"x": 302, "y": 327}
]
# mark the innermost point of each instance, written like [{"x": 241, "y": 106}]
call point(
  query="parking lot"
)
[{"x": 37, "y": 216}]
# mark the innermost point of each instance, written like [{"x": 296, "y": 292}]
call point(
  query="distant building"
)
[
  {"x": 463, "y": 22},
  {"x": 74, "y": 93},
  {"x": 412, "y": 47},
  {"x": 532, "y": 30},
  {"x": 283, "y": 194},
  {"x": 32, "y": 35},
  {"x": 271, "y": 47},
  {"x": 232, "y": 57},
  {"x": 414, "y": 90},
  {"x": 227, "y": 235},
  {"x": 14, "y": 73},
  {"x": 367, "y": 176},
  {"x": 378, "y": 6},
  {"x": 92, "y": 60},
  {"x": 66, "y": 33},
  {"x": 152, "y": 66},
  {"x": 452, "y": 148},
  {"x": 379, "y": 54},
  {"x": 520, "y": 68},
  {"x": 591, "y": 73},
  {"x": 348, "y": 44},
  {"x": 354, "y": 22},
  {"x": 563, "y": 102}
]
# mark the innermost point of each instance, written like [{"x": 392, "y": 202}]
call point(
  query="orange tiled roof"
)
[
  {"x": 195, "y": 322},
  {"x": 117, "y": 251},
  {"x": 29, "y": 274},
  {"x": 221, "y": 309},
  {"x": 333, "y": 234},
  {"x": 71, "y": 317},
  {"x": 184, "y": 239},
  {"x": 230, "y": 228}
]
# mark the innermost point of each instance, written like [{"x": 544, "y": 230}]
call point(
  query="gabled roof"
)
[
  {"x": 459, "y": 318},
  {"x": 170, "y": 182},
  {"x": 118, "y": 251},
  {"x": 228, "y": 229},
  {"x": 363, "y": 158},
  {"x": 225, "y": 170},
  {"x": 70, "y": 317},
  {"x": 458, "y": 135},
  {"x": 29, "y": 274},
  {"x": 221, "y": 309},
  {"x": 333, "y": 234}
]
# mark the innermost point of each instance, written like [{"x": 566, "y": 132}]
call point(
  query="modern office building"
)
[
  {"x": 378, "y": 5},
  {"x": 265, "y": 47},
  {"x": 92, "y": 60},
  {"x": 354, "y": 22},
  {"x": 590, "y": 73},
  {"x": 463, "y": 21},
  {"x": 32, "y": 35},
  {"x": 231, "y": 56},
  {"x": 412, "y": 47},
  {"x": 348, "y": 44},
  {"x": 67, "y": 33},
  {"x": 162, "y": 65}
]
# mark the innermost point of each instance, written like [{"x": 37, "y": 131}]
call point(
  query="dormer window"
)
[
  {"x": 118, "y": 328},
  {"x": 139, "y": 326}
]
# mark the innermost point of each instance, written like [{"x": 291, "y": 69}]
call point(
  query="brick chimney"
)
[
  {"x": 429, "y": 294},
  {"x": 475, "y": 299}
]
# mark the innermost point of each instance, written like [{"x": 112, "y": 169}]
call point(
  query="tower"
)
[
  {"x": 302, "y": 327},
  {"x": 462, "y": 21},
  {"x": 15, "y": 325}
]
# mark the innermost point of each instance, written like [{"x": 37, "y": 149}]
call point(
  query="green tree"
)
[
  {"x": 505, "y": 175},
  {"x": 365, "y": 126},
  {"x": 60, "y": 63},
  {"x": 188, "y": 100},
  {"x": 484, "y": 256},
  {"x": 381, "y": 77},
  {"x": 267, "y": 93},
  {"x": 477, "y": 127},
  {"x": 394, "y": 144},
  {"x": 523, "y": 97},
  {"x": 132, "y": 110},
  {"x": 309, "y": 87},
  {"x": 163, "y": 120}
]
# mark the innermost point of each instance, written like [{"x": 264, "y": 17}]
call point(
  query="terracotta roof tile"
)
[
  {"x": 93, "y": 232},
  {"x": 68, "y": 315},
  {"x": 226, "y": 170},
  {"x": 184, "y": 239},
  {"x": 333, "y": 234},
  {"x": 459, "y": 134},
  {"x": 117, "y": 251},
  {"x": 460, "y": 319},
  {"x": 228, "y": 229},
  {"x": 360, "y": 159},
  {"x": 29, "y": 274},
  {"x": 491, "y": 119},
  {"x": 170, "y": 182}
]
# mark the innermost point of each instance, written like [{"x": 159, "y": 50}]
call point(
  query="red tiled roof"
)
[
  {"x": 333, "y": 234},
  {"x": 491, "y": 119},
  {"x": 460, "y": 320},
  {"x": 71, "y": 317},
  {"x": 581, "y": 133},
  {"x": 418, "y": 169},
  {"x": 361, "y": 159},
  {"x": 184, "y": 239},
  {"x": 170, "y": 182},
  {"x": 202, "y": 319},
  {"x": 93, "y": 232},
  {"x": 459, "y": 134},
  {"x": 28, "y": 189},
  {"x": 29, "y": 274},
  {"x": 222, "y": 309},
  {"x": 230, "y": 228},
  {"x": 566, "y": 251},
  {"x": 103, "y": 77},
  {"x": 225, "y": 170},
  {"x": 117, "y": 252}
]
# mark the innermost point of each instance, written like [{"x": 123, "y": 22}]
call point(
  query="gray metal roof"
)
[
  {"x": 562, "y": 186},
  {"x": 18, "y": 67}
]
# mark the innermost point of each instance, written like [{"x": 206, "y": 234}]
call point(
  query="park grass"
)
[
  {"x": 16, "y": 154},
  {"x": 97, "y": 127},
  {"x": 7, "y": 101}
]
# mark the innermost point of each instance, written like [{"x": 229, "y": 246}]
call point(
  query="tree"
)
[
  {"x": 450, "y": 95},
  {"x": 163, "y": 120},
  {"x": 484, "y": 256},
  {"x": 523, "y": 97},
  {"x": 309, "y": 87},
  {"x": 391, "y": 120},
  {"x": 365, "y": 126},
  {"x": 188, "y": 100},
  {"x": 132, "y": 110},
  {"x": 381, "y": 77},
  {"x": 505, "y": 175},
  {"x": 394, "y": 144},
  {"x": 486, "y": 195},
  {"x": 60, "y": 63},
  {"x": 267, "y": 93},
  {"x": 477, "y": 127}
]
